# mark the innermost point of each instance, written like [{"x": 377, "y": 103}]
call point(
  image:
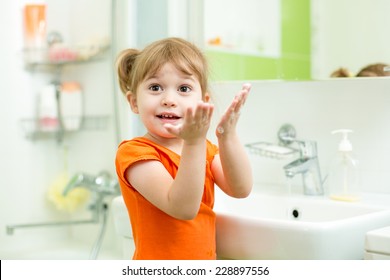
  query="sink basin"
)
[{"x": 266, "y": 226}]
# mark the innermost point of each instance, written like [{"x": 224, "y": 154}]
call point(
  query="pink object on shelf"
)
[{"x": 58, "y": 53}]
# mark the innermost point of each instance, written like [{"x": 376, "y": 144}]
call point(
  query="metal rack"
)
[
  {"x": 32, "y": 130},
  {"x": 270, "y": 150},
  {"x": 43, "y": 60},
  {"x": 286, "y": 135},
  {"x": 47, "y": 58}
]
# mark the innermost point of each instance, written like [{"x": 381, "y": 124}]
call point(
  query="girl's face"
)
[{"x": 164, "y": 98}]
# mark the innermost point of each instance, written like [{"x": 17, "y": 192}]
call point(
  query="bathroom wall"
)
[
  {"x": 30, "y": 168},
  {"x": 316, "y": 108}
]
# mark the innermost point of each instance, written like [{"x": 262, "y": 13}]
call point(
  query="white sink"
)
[{"x": 265, "y": 226}]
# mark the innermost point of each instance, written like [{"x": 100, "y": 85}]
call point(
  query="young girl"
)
[{"x": 167, "y": 176}]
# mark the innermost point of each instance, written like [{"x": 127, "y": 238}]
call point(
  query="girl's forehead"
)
[{"x": 183, "y": 69}]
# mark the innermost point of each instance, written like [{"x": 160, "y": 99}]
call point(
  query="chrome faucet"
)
[
  {"x": 102, "y": 183},
  {"x": 307, "y": 165},
  {"x": 79, "y": 180}
]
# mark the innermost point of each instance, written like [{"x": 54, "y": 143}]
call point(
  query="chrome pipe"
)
[
  {"x": 98, "y": 243},
  {"x": 11, "y": 228}
]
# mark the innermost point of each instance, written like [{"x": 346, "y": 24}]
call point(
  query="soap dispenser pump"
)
[{"x": 343, "y": 175}]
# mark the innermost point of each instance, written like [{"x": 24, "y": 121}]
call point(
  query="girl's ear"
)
[
  {"x": 206, "y": 97},
  {"x": 131, "y": 98}
]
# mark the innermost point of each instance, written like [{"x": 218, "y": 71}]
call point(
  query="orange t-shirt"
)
[{"x": 157, "y": 235}]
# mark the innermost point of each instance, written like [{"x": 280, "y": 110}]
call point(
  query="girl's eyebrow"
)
[
  {"x": 186, "y": 76},
  {"x": 154, "y": 77},
  {"x": 190, "y": 78},
  {"x": 183, "y": 76}
]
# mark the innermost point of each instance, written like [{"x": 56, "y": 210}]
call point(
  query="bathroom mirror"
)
[
  {"x": 348, "y": 33},
  {"x": 273, "y": 39}
]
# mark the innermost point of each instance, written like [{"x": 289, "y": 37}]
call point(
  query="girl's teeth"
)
[{"x": 169, "y": 117}]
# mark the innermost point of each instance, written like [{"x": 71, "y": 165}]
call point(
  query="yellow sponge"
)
[{"x": 74, "y": 199}]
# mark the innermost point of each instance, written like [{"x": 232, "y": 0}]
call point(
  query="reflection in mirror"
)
[
  {"x": 237, "y": 31},
  {"x": 251, "y": 39},
  {"x": 273, "y": 39},
  {"x": 350, "y": 34}
]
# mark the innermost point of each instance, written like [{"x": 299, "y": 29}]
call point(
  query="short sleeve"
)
[{"x": 130, "y": 152}]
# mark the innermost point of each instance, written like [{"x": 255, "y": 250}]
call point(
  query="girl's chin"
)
[{"x": 162, "y": 134}]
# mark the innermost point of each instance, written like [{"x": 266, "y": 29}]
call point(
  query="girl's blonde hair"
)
[{"x": 135, "y": 66}]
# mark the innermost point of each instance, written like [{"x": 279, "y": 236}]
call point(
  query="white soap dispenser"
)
[{"x": 343, "y": 175}]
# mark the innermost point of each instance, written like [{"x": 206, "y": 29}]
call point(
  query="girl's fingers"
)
[
  {"x": 241, "y": 97},
  {"x": 203, "y": 112},
  {"x": 229, "y": 119}
]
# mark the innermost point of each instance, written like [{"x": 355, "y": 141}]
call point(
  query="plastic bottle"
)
[
  {"x": 343, "y": 175},
  {"x": 34, "y": 28},
  {"x": 71, "y": 105},
  {"x": 48, "y": 108},
  {"x": 34, "y": 23}
]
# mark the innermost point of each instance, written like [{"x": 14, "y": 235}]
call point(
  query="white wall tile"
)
[{"x": 316, "y": 108}]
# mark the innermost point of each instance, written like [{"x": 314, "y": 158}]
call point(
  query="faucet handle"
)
[
  {"x": 307, "y": 148},
  {"x": 286, "y": 134},
  {"x": 102, "y": 178},
  {"x": 105, "y": 183},
  {"x": 79, "y": 179}
]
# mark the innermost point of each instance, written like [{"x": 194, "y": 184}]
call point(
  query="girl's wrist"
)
[
  {"x": 195, "y": 142},
  {"x": 225, "y": 134}
]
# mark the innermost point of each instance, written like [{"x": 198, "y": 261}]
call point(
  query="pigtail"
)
[{"x": 125, "y": 67}]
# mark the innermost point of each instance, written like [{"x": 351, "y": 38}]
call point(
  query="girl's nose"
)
[{"x": 168, "y": 101}]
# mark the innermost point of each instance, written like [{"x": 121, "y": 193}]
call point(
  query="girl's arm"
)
[
  {"x": 231, "y": 169},
  {"x": 180, "y": 197}
]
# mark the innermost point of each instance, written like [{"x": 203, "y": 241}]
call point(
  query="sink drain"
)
[{"x": 294, "y": 213}]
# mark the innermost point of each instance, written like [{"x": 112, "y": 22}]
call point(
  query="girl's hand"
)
[
  {"x": 196, "y": 123},
  {"x": 229, "y": 119}
]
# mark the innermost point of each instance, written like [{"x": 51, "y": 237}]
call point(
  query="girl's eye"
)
[
  {"x": 155, "y": 88},
  {"x": 184, "y": 89}
]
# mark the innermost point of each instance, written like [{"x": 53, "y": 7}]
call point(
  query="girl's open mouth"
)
[{"x": 168, "y": 117}]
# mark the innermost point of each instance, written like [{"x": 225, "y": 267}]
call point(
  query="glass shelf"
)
[
  {"x": 240, "y": 51},
  {"x": 33, "y": 130},
  {"x": 61, "y": 55}
]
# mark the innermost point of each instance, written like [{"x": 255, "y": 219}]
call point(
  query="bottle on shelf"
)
[
  {"x": 48, "y": 109},
  {"x": 71, "y": 106}
]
